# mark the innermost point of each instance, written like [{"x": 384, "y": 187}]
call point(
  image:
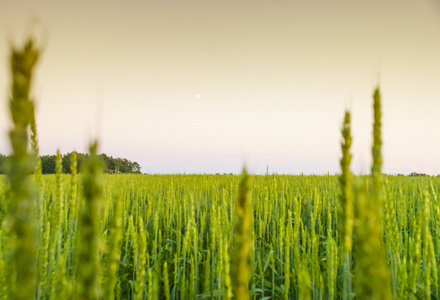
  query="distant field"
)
[{"x": 187, "y": 221}]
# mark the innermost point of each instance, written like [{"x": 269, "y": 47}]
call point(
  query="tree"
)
[
  {"x": 48, "y": 164},
  {"x": 110, "y": 165},
  {"x": 3, "y": 163}
]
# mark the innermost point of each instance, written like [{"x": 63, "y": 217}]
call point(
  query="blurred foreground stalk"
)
[
  {"x": 87, "y": 285},
  {"x": 346, "y": 213},
  {"x": 242, "y": 268},
  {"x": 373, "y": 280},
  {"x": 19, "y": 225}
]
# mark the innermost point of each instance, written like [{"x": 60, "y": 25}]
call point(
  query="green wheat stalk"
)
[
  {"x": 88, "y": 227},
  {"x": 345, "y": 210},
  {"x": 20, "y": 213},
  {"x": 373, "y": 281},
  {"x": 376, "y": 168},
  {"x": 242, "y": 269}
]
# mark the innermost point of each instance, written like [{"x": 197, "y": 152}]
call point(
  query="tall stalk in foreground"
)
[
  {"x": 376, "y": 168},
  {"x": 20, "y": 220},
  {"x": 346, "y": 203},
  {"x": 373, "y": 281},
  {"x": 88, "y": 228},
  {"x": 242, "y": 269}
]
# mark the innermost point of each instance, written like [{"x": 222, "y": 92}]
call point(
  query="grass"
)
[{"x": 280, "y": 204}]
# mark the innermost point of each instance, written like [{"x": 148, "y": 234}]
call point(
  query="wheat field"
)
[{"x": 201, "y": 236}]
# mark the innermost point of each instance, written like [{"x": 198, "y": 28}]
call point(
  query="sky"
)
[{"x": 192, "y": 86}]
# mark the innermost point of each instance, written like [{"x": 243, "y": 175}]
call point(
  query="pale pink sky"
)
[{"x": 273, "y": 79}]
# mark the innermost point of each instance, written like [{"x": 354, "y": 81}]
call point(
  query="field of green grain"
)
[
  {"x": 172, "y": 237},
  {"x": 96, "y": 236}
]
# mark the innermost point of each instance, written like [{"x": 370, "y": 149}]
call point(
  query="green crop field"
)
[
  {"x": 96, "y": 236},
  {"x": 173, "y": 236}
]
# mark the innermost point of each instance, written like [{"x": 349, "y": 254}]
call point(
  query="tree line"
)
[{"x": 110, "y": 165}]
